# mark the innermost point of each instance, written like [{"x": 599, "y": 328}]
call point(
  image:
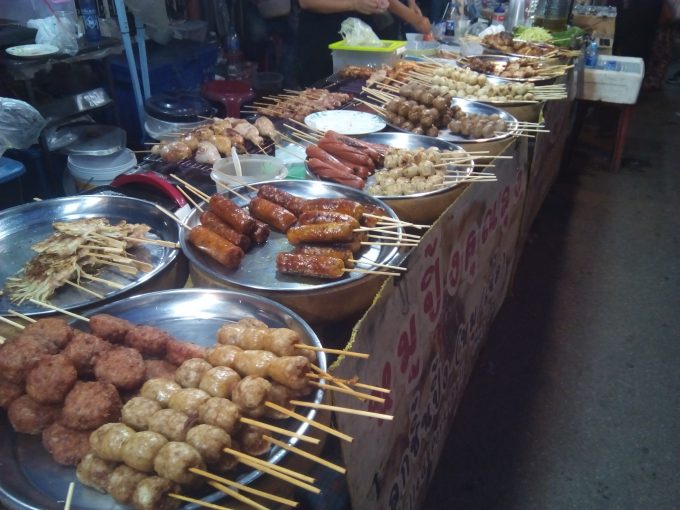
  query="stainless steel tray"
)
[
  {"x": 258, "y": 269},
  {"x": 31, "y": 480},
  {"x": 23, "y": 226},
  {"x": 504, "y": 59}
]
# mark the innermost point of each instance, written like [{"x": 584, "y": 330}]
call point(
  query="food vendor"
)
[{"x": 319, "y": 26}]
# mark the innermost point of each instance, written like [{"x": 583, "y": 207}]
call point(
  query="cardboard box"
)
[{"x": 602, "y": 27}]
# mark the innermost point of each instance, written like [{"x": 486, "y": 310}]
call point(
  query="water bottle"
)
[
  {"x": 88, "y": 10},
  {"x": 498, "y": 17},
  {"x": 591, "y": 54},
  {"x": 450, "y": 20}
]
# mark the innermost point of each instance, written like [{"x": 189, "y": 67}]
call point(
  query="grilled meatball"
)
[
  {"x": 122, "y": 483},
  {"x": 9, "y": 392},
  {"x": 67, "y": 446},
  {"x": 108, "y": 440},
  {"x": 137, "y": 411},
  {"x": 251, "y": 441},
  {"x": 219, "y": 381},
  {"x": 30, "y": 417},
  {"x": 172, "y": 424},
  {"x": 140, "y": 450},
  {"x": 51, "y": 379},
  {"x": 51, "y": 332},
  {"x": 281, "y": 395},
  {"x": 148, "y": 340},
  {"x": 95, "y": 472},
  {"x": 84, "y": 350},
  {"x": 254, "y": 362},
  {"x": 209, "y": 441},
  {"x": 290, "y": 371},
  {"x": 177, "y": 352},
  {"x": 18, "y": 356},
  {"x": 155, "y": 368},
  {"x": 109, "y": 327},
  {"x": 152, "y": 494},
  {"x": 190, "y": 372},
  {"x": 188, "y": 400},
  {"x": 174, "y": 461},
  {"x": 220, "y": 412},
  {"x": 91, "y": 404},
  {"x": 223, "y": 355},
  {"x": 250, "y": 394},
  {"x": 159, "y": 390},
  {"x": 122, "y": 366}
]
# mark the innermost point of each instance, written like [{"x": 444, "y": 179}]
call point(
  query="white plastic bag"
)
[
  {"x": 357, "y": 33},
  {"x": 62, "y": 33},
  {"x": 20, "y": 124}
]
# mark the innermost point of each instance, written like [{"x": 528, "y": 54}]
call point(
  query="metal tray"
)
[
  {"x": 258, "y": 269},
  {"x": 24, "y": 225},
  {"x": 505, "y": 59},
  {"x": 490, "y": 50},
  {"x": 31, "y": 480}
]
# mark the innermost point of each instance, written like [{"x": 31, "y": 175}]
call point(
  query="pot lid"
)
[
  {"x": 94, "y": 139},
  {"x": 178, "y": 107}
]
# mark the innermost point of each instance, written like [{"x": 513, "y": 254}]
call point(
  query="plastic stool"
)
[
  {"x": 230, "y": 93},
  {"x": 9, "y": 171}
]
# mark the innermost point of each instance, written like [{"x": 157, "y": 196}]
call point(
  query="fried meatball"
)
[
  {"x": 209, "y": 441},
  {"x": 188, "y": 400},
  {"x": 18, "y": 356},
  {"x": 280, "y": 395},
  {"x": 51, "y": 332},
  {"x": 152, "y": 494},
  {"x": 155, "y": 368},
  {"x": 95, "y": 472},
  {"x": 110, "y": 328},
  {"x": 84, "y": 350},
  {"x": 219, "y": 381},
  {"x": 251, "y": 441},
  {"x": 250, "y": 394},
  {"x": 172, "y": 424},
  {"x": 123, "y": 367},
  {"x": 174, "y": 461},
  {"x": 9, "y": 392},
  {"x": 177, "y": 352},
  {"x": 30, "y": 417},
  {"x": 122, "y": 483},
  {"x": 220, "y": 412},
  {"x": 159, "y": 390},
  {"x": 91, "y": 404},
  {"x": 50, "y": 380},
  {"x": 190, "y": 372},
  {"x": 108, "y": 440},
  {"x": 140, "y": 450},
  {"x": 67, "y": 446},
  {"x": 137, "y": 411},
  {"x": 148, "y": 340},
  {"x": 223, "y": 355}
]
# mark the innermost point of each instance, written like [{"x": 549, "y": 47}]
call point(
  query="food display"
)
[
  {"x": 406, "y": 172},
  {"x": 382, "y": 73},
  {"x": 477, "y": 125},
  {"x": 514, "y": 69},
  {"x": 298, "y": 105},
  {"x": 475, "y": 86},
  {"x": 506, "y": 43}
]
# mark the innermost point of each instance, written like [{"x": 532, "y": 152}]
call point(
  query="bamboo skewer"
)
[
  {"x": 306, "y": 455},
  {"x": 69, "y": 496},
  {"x": 191, "y": 200},
  {"x": 239, "y": 497},
  {"x": 57, "y": 309},
  {"x": 243, "y": 488},
  {"x": 353, "y": 393},
  {"x": 380, "y": 243},
  {"x": 240, "y": 182},
  {"x": 200, "y": 194},
  {"x": 84, "y": 289},
  {"x": 389, "y": 230},
  {"x": 172, "y": 216},
  {"x": 279, "y": 430},
  {"x": 102, "y": 280},
  {"x": 275, "y": 467},
  {"x": 309, "y": 421},
  {"x": 371, "y": 263},
  {"x": 339, "y": 409},
  {"x": 11, "y": 322},
  {"x": 350, "y": 382},
  {"x": 328, "y": 376},
  {"x": 198, "y": 502},
  {"x": 371, "y": 271},
  {"x": 21, "y": 316},
  {"x": 332, "y": 351}
]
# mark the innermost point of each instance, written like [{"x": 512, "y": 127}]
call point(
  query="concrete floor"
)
[{"x": 575, "y": 400}]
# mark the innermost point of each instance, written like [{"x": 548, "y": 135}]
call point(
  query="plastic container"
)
[
  {"x": 254, "y": 168},
  {"x": 365, "y": 56},
  {"x": 614, "y": 80},
  {"x": 174, "y": 112},
  {"x": 91, "y": 171}
]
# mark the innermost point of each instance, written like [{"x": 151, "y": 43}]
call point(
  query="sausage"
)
[
  {"x": 320, "y": 216},
  {"x": 317, "y": 266},
  {"x": 343, "y": 254},
  {"x": 273, "y": 214},
  {"x": 218, "y": 248},
  {"x": 212, "y": 222},
  {"x": 343, "y": 205},
  {"x": 232, "y": 214},
  {"x": 374, "y": 210},
  {"x": 316, "y": 152},
  {"x": 283, "y": 198},
  {"x": 372, "y": 148},
  {"x": 346, "y": 177},
  {"x": 347, "y": 153},
  {"x": 320, "y": 233},
  {"x": 261, "y": 232}
]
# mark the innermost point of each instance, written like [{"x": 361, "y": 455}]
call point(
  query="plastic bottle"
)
[
  {"x": 591, "y": 53},
  {"x": 450, "y": 20},
  {"x": 67, "y": 13},
  {"x": 498, "y": 17},
  {"x": 88, "y": 10},
  {"x": 515, "y": 15},
  {"x": 234, "y": 54}
]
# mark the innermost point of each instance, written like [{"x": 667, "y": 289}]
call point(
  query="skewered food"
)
[
  {"x": 190, "y": 373},
  {"x": 271, "y": 213},
  {"x": 67, "y": 446},
  {"x": 50, "y": 380},
  {"x": 18, "y": 357},
  {"x": 216, "y": 247},
  {"x": 84, "y": 351},
  {"x": 212, "y": 222},
  {"x": 160, "y": 390},
  {"x": 315, "y": 266},
  {"x": 30, "y": 417},
  {"x": 91, "y": 404},
  {"x": 206, "y": 152},
  {"x": 298, "y": 106},
  {"x": 109, "y": 327},
  {"x": 137, "y": 411},
  {"x": 505, "y": 42},
  {"x": 123, "y": 482},
  {"x": 284, "y": 199},
  {"x": 152, "y": 494},
  {"x": 121, "y": 366},
  {"x": 95, "y": 472},
  {"x": 107, "y": 441}
]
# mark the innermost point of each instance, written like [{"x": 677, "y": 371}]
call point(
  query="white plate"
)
[
  {"x": 347, "y": 122},
  {"x": 32, "y": 50}
]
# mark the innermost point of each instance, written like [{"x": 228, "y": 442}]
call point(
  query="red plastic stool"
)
[{"x": 230, "y": 93}]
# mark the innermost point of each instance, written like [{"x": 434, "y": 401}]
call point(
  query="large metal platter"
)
[
  {"x": 24, "y": 225},
  {"x": 490, "y": 50},
  {"x": 31, "y": 480},
  {"x": 258, "y": 269},
  {"x": 505, "y": 59}
]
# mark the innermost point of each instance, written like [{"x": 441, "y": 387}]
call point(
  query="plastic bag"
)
[
  {"x": 154, "y": 16},
  {"x": 20, "y": 124},
  {"x": 357, "y": 33},
  {"x": 62, "y": 33}
]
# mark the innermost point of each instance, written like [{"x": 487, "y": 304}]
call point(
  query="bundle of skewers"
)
[
  {"x": 506, "y": 43},
  {"x": 514, "y": 68},
  {"x": 191, "y": 422},
  {"x": 297, "y": 105},
  {"x": 76, "y": 252}
]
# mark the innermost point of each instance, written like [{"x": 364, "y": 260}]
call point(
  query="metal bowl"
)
[
  {"x": 33, "y": 481},
  {"x": 315, "y": 300},
  {"x": 24, "y": 225}
]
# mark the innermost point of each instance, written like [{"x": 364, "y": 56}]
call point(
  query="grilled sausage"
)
[
  {"x": 325, "y": 171},
  {"x": 261, "y": 232},
  {"x": 212, "y": 222},
  {"x": 283, "y": 198},
  {"x": 344, "y": 254},
  {"x": 320, "y": 233},
  {"x": 346, "y": 153},
  {"x": 317, "y": 266},
  {"x": 273, "y": 214},
  {"x": 343, "y": 205},
  {"x": 313, "y": 217},
  {"x": 232, "y": 214},
  {"x": 216, "y": 247}
]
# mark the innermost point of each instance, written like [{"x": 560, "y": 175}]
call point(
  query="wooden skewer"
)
[
  {"x": 21, "y": 316},
  {"x": 299, "y": 417},
  {"x": 102, "y": 280},
  {"x": 69, "y": 496},
  {"x": 172, "y": 216},
  {"x": 192, "y": 188},
  {"x": 239, "y": 181},
  {"x": 339, "y": 409},
  {"x": 123, "y": 268},
  {"x": 371, "y": 263},
  {"x": 238, "y": 497},
  {"x": 351, "y": 382},
  {"x": 57, "y": 309},
  {"x": 353, "y": 393},
  {"x": 11, "y": 322},
  {"x": 388, "y": 236},
  {"x": 380, "y": 243},
  {"x": 388, "y": 229},
  {"x": 306, "y": 455},
  {"x": 315, "y": 132},
  {"x": 198, "y": 502},
  {"x": 399, "y": 222},
  {"x": 191, "y": 200},
  {"x": 85, "y": 289},
  {"x": 279, "y": 430},
  {"x": 275, "y": 467},
  {"x": 244, "y": 488},
  {"x": 328, "y": 376},
  {"x": 371, "y": 271},
  {"x": 302, "y": 134},
  {"x": 332, "y": 351}
]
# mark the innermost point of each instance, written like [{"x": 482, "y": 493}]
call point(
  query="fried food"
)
[
  {"x": 30, "y": 417},
  {"x": 137, "y": 411},
  {"x": 95, "y": 472},
  {"x": 90, "y": 405},
  {"x": 50, "y": 380},
  {"x": 108, "y": 440},
  {"x": 67, "y": 446},
  {"x": 189, "y": 373},
  {"x": 121, "y": 366},
  {"x": 160, "y": 390},
  {"x": 84, "y": 350},
  {"x": 110, "y": 328}
]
